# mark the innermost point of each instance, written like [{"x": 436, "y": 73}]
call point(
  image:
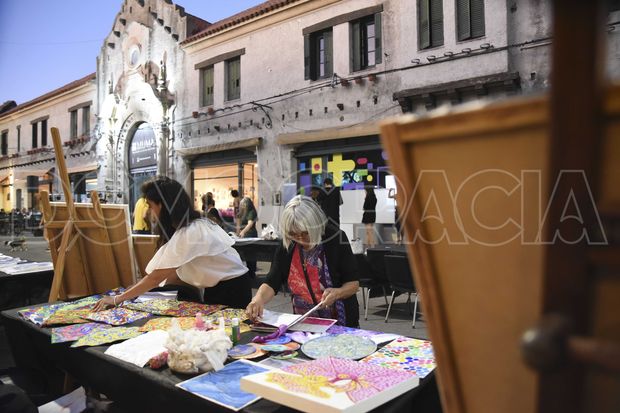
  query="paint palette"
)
[
  {"x": 279, "y": 340},
  {"x": 339, "y": 346},
  {"x": 258, "y": 353},
  {"x": 274, "y": 348}
]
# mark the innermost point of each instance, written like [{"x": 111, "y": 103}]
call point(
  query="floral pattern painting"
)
[
  {"x": 406, "y": 354},
  {"x": 107, "y": 335}
]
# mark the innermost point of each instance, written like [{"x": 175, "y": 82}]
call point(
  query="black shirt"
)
[{"x": 340, "y": 260}]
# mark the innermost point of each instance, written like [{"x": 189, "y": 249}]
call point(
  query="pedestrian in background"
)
[
  {"x": 370, "y": 215},
  {"x": 247, "y": 218},
  {"x": 141, "y": 222}
]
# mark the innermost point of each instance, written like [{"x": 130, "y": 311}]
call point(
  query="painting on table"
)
[
  {"x": 107, "y": 335},
  {"x": 408, "y": 354},
  {"x": 342, "y": 346},
  {"x": 164, "y": 323},
  {"x": 222, "y": 387},
  {"x": 117, "y": 316},
  {"x": 331, "y": 385},
  {"x": 75, "y": 332}
]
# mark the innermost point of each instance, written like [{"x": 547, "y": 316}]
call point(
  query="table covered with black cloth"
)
[
  {"x": 144, "y": 389},
  {"x": 17, "y": 290}
]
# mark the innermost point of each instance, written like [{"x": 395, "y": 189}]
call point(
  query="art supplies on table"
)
[
  {"x": 294, "y": 322},
  {"x": 407, "y": 354},
  {"x": 139, "y": 350},
  {"x": 223, "y": 387},
  {"x": 330, "y": 385},
  {"x": 341, "y": 346},
  {"x": 258, "y": 352}
]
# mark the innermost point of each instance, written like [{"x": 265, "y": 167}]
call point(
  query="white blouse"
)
[{"x": 202, "y": 254}]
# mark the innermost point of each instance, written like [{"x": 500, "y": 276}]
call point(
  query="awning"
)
[
  {"x": 81, "y": 164},
  {"x": 219, "y": 147},
  {"x": 364, "y": 129}
]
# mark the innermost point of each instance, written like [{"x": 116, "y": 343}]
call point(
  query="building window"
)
[
  {"x": 430, "y": 23},
  {"x": 44, "y": 132},
  {"x": 318, "y": 53},
  {"x": 19, "y": 138},
  {"x": 4, "y": 143},
  {"x": 86, "y": 120},
  {"x": 470, "y": 19},
  {"x": 233, "y": 78},
  {"x": 365, "y": 42},
  {"x": 73, "y": 131},
  {"x": 206, "y": 88},
  {"x": 35, "y": 138}
]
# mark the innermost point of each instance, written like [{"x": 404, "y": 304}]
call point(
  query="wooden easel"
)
[{"x": 84, "y": 229}]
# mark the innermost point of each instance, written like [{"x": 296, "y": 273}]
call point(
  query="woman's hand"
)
[
  {"x": 330, "y": 296},
  {"x": 254, "y": 310},
  {"x": 105, "y": 302}
]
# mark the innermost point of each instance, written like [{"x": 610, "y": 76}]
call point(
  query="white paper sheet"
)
[
  {"x": 139, "y": 350},
  {"x": 74, "y": 402}
]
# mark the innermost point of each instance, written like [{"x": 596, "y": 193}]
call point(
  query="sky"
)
[{"x": 45, "y": 44}]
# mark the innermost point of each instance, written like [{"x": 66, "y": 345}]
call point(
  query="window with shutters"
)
[
  {"x": 35, "y": 135},
  {"x": 318, "y": 48},
  {"x": 44, "y": 132},
  {"x": 4, "y": 144},
  {"x": 365, "y": 40},
  {"x": 469, "y": 19},
  {"x": 430, "y": 23},
  {"x": 233, "y": 78},
  {"x": 86, "y": 120},
  {"x": 206, "y": 86},
  {"x": 73, "y": 129}
]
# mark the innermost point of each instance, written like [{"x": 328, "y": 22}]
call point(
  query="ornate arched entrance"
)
[{"x": 142, "y": 159}]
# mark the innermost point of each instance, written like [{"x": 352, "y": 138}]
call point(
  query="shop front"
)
[{"x": 142, "y": 160}]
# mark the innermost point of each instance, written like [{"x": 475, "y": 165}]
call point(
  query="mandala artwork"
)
[
  {"x": 342, "y": 346},
  {"x": 407, "y": 354}
]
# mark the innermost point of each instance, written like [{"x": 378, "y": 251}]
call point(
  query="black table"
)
[
  {"x": 17, "y": 290},
  {"x": 143, "y": 389},
  {"x": 256, "y": 250}
]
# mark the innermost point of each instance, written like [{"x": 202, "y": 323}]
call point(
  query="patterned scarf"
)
[{"x": 320, "y": 279}]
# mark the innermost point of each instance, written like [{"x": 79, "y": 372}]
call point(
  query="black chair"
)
[
  {"x": 368, "y": 282},
  {"x": 401, "y": 280}
]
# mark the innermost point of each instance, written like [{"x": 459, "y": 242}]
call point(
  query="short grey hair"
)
[{"x": 302, "y": 214}]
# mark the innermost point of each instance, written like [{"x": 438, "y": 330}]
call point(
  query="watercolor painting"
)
[
  {"x": 331, "y": 385},
  {"x": 407, "y": 354},
  {"x": 222, "y": 387},
  {"x": 340, "y": 346}
]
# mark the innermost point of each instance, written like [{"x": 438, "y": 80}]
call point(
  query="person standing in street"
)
[
  {"x": 370, "y": 215},
  {"x": 141, "y": 222}
]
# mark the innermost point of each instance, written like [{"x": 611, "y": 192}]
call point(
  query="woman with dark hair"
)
[
  {"x": 211, "y": 211},
  {"x": 247, "y": 218},
  {"x": 370, "y": 215},
  {"x": 192, "y": 250}
]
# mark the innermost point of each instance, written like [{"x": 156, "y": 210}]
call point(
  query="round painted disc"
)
[
  {"x": 293, "y": 346},
  {"x": 289, "y": 354},
  {"x": 241, "y": 350},
  {"x": 343, "y": 346},
  {"x": 279, "y": 340},
  {"x": 276, "y": 348},
  {"x": 257, "y": 353}
]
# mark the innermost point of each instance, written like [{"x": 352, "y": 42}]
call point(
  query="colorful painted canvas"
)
[
  {"x": 155, "y": 306},
  {"x": 331, "y": 385},
  {"x": 117, "y": 316},
  {"x": 335, "y": 329},
  {"x": 75, "y": 332},
  {"x": 189, "y": 309},
  {"x": 229, "y": 314},
  {"x": 340, "y": 346},
  {"x": 164, "y": 323},
  {"x": 38, "y": 315},
  {"x": 407, "y": 354},
  {"x": 68, "y": 317},
  {"x": 107, "y": 335},
  {"x": 222, "y": 387}
]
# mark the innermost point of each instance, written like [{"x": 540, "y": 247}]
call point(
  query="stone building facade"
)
[{"x": 278, "y": 97}]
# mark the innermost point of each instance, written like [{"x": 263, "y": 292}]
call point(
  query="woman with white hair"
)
[{"x": 316, "y": 263}]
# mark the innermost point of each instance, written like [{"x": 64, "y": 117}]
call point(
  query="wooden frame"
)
[{"x": 90, "y": 244}]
